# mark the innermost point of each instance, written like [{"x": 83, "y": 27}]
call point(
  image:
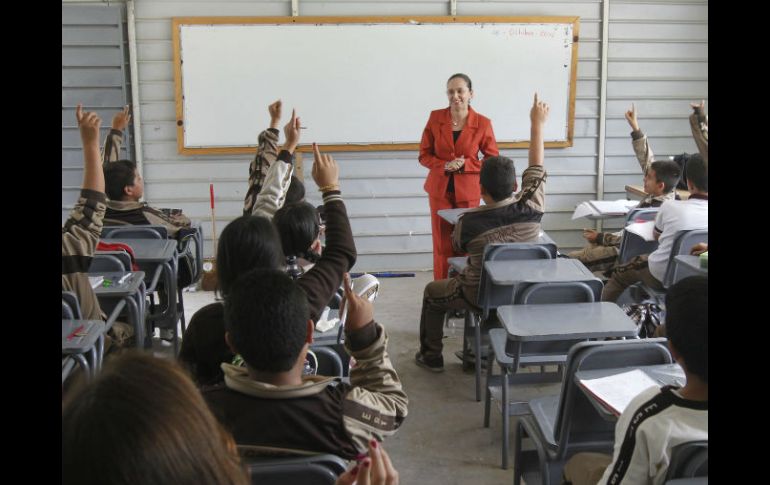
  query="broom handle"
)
[{"x": 213, "y": 219}]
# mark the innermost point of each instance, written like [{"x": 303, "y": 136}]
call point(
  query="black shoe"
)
[
  {"x": 472, "y": 358},
  {"x": 433, "y": 365}
]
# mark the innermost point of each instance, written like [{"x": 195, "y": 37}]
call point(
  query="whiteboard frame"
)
[{"x": 177, "y": 22}]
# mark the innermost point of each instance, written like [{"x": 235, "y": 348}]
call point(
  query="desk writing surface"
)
[
  {"x": 537, "y": 271},
  {"x": 128, "y": 287},
  {"x": 566, "y": 320},
  {"x": 452, "y": 215},
  {"x": 148, "y": 250},
  {"x": 87, "y": 337}
]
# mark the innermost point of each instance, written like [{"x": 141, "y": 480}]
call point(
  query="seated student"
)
[
  {"x": 125, "y": 187},
  {"x": 143, "y": 421},
  {"x": 251, "y": 242},
  {"x": 673, "y": 216},
  {"x": 660, "y": 179},
  {"x": 660, "y": 418},
  {"x": 504, "y": 218},
  {"x": 272, "y": 333},
  {"x": 299, "y": 228},
  {"x": 267, "y": 190},
  {"x": 81, "y": 231}
]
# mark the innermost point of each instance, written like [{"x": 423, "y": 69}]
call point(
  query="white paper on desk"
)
[
  {"x": 616, "y": 391},
  {"x": 642, "y": 229},
  {"x": 324, "y": 324},
  {"x": 96, "y": 281},
  {"x": 604, "y": 207}
]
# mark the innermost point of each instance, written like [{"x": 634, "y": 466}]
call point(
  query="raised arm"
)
[
  {"x": 376, "y": 405},
  {"x": 89, "y": 124},
  {"x": 639, "y": 142},
  {"x": 537, "y": 116},
  {"x": 267, "y": 153},
  {"x": 322, "y": 281},
  {"x": 272, "y": 195},
  {"x": 699, "y": 124},
  {"x": 114, "y": 139}
]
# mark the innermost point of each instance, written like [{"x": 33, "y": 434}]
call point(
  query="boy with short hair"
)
[
  {"x": 504, "y": 218},
  {"x": 660, "y": 179},
  {"x": 272, "y": 333},
  {"x": 659, "y": 418}
]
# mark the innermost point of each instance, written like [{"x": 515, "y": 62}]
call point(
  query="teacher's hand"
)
[{"x": 454, "y": 165}]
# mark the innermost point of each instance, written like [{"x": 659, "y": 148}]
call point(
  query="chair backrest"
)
[
  {"x": 689, "y": 460},
  {"x": 577, "y": 421},
  {"x": 561, "y": 292},
  {"x": 70, "y": 307},
  {"x": 306, "y": 470},
  {"x": 328, "y": 362},
  {"x": 641, "y": 214},
  {"x": 683, "y": 242},
  {"x": 505, "y": 252},
  {"x": 108, "y": 261},
  {"x": 142, "y": 231},
  {"x": 634, "y": 245}
]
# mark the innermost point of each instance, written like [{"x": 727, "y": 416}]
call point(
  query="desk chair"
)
[
  {"x": 631, "y": 244},
  {"x": 689, "y": 460},
  {"x": 306, "y": 470},
  {"x": 141, "y": 231},
  {"x": 563, "y": 425},
  {"x": 525, "y": 354},
  {"x": 683, "y": 241},
  {"x": 327, "y": 361},
  {"x": 475, "y": 317}
]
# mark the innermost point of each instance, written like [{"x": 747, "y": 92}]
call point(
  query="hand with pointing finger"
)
[
  {"x": 325, "y": 171},
  {"x": 631, "y": 118},
  {"x": 121, "y": 119},
  {"x": 291, "y": 130}
]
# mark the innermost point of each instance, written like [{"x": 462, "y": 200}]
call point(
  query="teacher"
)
[{"x": 450, "y": 148}]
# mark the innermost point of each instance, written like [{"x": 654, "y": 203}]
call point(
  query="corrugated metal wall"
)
[
  {"x": 94, "y": 72},
  {"x": 657, "y": 56}
]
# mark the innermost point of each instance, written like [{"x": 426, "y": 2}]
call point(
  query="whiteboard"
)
[{"x": 363, "y": 85}]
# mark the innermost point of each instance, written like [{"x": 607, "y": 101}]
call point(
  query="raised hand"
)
[
  {"x": 291, "y": 130},
  {"x": 376, "y": 469},
  {"x": 359, "y": 310},
  {"x": 631, "y": 118},
  {"x": 325, "y": 171},
  {"x": 88, "y": 124},
  {"x": 121, "y": 119},
  {"x": 275, "y": 114},
  {"x": 539, "y": 111}
]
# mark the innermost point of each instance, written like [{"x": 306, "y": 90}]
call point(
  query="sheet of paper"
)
[
  {"x": 616, "y": 391},
  {"x": 642, "y": 229},
  {"x": 96, "y": 281}
]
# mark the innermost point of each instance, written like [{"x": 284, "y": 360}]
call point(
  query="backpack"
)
[
  {"x": 187, "y": 271},
  {"x": 647, "y": 316}
]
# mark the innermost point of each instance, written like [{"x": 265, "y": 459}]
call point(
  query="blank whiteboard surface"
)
[{"x": 359, "y": 84}]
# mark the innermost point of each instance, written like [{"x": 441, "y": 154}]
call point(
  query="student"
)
[
  {"x": 660, "y": 179},
  {"x": 299, "y": 228},
  {"x": 504, "y": 218},
  {"x": 673, "y": 216},
  {"x": 272, "y": 333},
  {"x": 268, "y": 190},
  {"x": 251, "y": 242},
  {"x": 82, "y": 230},
  {"x": 125, "y": 187},
  {"x": 659, "y": 418},
  {"x": 143, "y": 421}
]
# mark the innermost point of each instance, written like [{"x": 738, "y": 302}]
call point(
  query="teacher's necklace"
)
[{"x": 461, "y": 120}]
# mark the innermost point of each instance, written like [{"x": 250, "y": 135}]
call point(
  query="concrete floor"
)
[{"x": 443, "y": 440}]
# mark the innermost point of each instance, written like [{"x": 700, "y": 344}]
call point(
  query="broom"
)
[{"x": 209, "y": 280}]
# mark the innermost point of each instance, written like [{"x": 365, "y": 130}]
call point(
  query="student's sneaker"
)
[
  {"x": 166, "y": 334},
  {"x": 472, "y": 358},
  {"x": 433, "y": 365}
]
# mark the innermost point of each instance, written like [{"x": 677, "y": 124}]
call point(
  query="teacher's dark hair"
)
[{"x": 464, "y": 77}]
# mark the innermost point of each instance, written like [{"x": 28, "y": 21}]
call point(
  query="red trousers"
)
[{"x": 442, "y": 232}]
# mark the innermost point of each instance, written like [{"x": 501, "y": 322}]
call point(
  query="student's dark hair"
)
[
  {"x": 295, "y": 192},
  {"x": 298, "y": 226},
  {"x": 248, "y": 242},
  {"x": 668, "y": 172},
  {"x": 266, "y": 314},
  {"x": 687, "y": 323},
  {"x": 142, "y": 420},
  {"x": 117, "y": 175},
  {"x": 462, "y": 76},
  {"x": 498, "y": 176},
  {"x": 698, "y": 172}
]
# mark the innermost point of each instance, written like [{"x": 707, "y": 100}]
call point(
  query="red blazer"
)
[{"x": 438, "y": 147}]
